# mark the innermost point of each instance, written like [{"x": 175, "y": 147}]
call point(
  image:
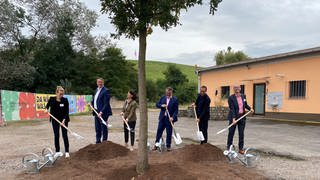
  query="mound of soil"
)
[
  {"x": 112, "y": 161},
  {"x": 198, "y": 153},
  {"x": 101, "y": 151}
]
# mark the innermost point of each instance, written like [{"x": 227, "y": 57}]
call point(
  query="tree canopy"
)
[
  {"x": 135, "y": 18},
  {"x": 229, "y": 56}
]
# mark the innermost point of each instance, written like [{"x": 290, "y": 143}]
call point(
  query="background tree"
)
[
  {"x": 174, "y": 76},
  {"x": 135, "y": 18},
  {"x": 45, "y": 43},
  {"x": 14, "y": 73},
  {"x": 229, "y": 56}
]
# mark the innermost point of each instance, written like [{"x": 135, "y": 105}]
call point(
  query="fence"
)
[
  {"x": 216, "y": 113},
  {"x": 27, "y": 106}
]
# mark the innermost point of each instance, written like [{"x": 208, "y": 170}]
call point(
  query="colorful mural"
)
[{"x": 27, "y": 106}]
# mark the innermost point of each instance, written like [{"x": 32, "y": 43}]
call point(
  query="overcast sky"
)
[{"x": 257, "y": 27}]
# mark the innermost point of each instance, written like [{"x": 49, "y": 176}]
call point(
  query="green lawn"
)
[{"x": 155, "y": 69}]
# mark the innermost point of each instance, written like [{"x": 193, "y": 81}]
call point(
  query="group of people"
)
[{"x": 168, "y": 104}]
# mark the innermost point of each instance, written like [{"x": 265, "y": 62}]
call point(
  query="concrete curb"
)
[{"x": 314, "y": 123}]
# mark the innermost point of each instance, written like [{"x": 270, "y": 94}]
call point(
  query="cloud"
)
[{"x": 257, "y": 27}]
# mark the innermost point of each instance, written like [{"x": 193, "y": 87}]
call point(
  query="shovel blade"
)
[
  {"x": 177, "y": 138},
  {"x": 200, "y": 136},
  {"x": 77, "y": 136}
]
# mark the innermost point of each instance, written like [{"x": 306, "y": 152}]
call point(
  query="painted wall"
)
[
  {"x": 276, "y": 75},
  {"x": 27, "y": 106}
]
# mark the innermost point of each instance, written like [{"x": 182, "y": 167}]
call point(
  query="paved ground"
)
[{"x": 287, "y": 151}]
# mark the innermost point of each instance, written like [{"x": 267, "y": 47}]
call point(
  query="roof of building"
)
[{"x": 264, "y": 59}]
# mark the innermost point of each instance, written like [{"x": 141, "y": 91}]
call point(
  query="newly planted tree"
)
[{"x": 135, "y": 19}]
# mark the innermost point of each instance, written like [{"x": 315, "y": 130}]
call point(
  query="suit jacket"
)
[
  {"x": 234, "y": 107},
  {"x": 103, "y": 102},
  {"x": 129, "y": 110},
  {"x": 173, "y": 108},
  {"x": 203, "y": 107}
]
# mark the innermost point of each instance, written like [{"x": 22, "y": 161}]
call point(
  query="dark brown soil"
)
[
  {"x": 102, "y": 151},
  {"x": 198, "y": 153},
  {"x": 112, "y": 161}
]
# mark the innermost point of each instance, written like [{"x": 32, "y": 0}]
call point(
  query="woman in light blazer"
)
[{"x": 129, "y": 113}]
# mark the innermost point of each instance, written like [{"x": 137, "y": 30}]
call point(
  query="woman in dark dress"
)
[{"x": 59, "y": 108}]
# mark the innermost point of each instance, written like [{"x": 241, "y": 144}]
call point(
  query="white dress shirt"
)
[{"x": 96, "y": 98}]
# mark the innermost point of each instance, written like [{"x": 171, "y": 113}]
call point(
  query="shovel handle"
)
[
  {"x": 195, "y": 112},
  {"x": 103, "y": 121},
  {"x": 234, "y": 123},
  {"x": 60, "y": 123},
  {"x": 169, "y": 117},
  {"x": 195, "y": 115},
  {"x": 125, "y": 122}
]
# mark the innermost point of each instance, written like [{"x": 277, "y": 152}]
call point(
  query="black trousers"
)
[
  {"x": 203, "y": 126},
  {"x": 56, "y": 131},
  {"x": 241, "y": 125},
  {"x": 132, "y": 125}
]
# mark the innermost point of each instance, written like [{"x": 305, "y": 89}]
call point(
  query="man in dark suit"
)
[
  {"x": 237, "y": 105},
  {"x": 203, "y": 112},
  {"x": 171, "y": 103},
  {"x": 101, "y": 102}
]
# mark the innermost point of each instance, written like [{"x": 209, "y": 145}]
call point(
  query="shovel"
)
[
  {"x": 71, "y": 132},
  {"x": 103, "y": 121},
  {"x": 128, "y": 127},
  {"x": 199, "y": 133},
  {"x": 225, "y": 129},
  {"x": 176, "y": 136}
]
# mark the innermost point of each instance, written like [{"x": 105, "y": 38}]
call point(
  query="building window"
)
[
  {"x": 225, "y": 91},
  {"x": 297, "y": 89},
  {"x": 242, "y": 89}
]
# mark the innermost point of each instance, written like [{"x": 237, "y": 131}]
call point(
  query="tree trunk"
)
[{"x": 142, "y": 162}]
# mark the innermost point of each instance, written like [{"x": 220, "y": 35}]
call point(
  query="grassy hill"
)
[{"x": 155, "y": 69}]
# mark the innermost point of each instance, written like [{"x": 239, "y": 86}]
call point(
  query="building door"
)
[{"x": 259, "y": 99}]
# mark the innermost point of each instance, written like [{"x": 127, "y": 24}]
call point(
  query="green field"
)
[{"x": 155, "y": 69}]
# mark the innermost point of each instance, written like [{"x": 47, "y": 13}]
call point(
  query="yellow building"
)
[{"x": 285, "y": 86}]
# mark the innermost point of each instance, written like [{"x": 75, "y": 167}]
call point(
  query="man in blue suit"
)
[
  {"x": 101, "y": 102},
  {"x": 237, "y": 105},
  {"x": 171, "y": 103}
]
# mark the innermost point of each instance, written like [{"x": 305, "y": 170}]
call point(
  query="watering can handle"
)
[
  {"x": 29, "y": 154},
  {"x": 231, "y": 147},
  {"x": 49, "y": 149}
]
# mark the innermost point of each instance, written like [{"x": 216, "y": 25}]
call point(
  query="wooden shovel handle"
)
[
  {"x": 97, "y": 114},
  {"x": 60, "y": 122}
]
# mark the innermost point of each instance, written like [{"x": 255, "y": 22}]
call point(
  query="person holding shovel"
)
[
  {"x": 59, "y": 108},
  {"x": 202, "y": 106},
  {"x": 129, "y": 116},
  {"x": 101, "y": 104},
  {"x": 167, "y": 103},
  {"x": 237, "y": 105}
]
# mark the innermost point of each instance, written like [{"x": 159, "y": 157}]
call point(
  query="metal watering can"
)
[
  {"x": 32, "y": 165},
  {"x": 231, "y": 154},
  {"x": 249, "y": 159},
  {"x": 49, "y": 157},
  {"x": 161, "y": 145}
]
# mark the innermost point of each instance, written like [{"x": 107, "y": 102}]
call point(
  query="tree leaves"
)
[{"x": 229, "y": 56}]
